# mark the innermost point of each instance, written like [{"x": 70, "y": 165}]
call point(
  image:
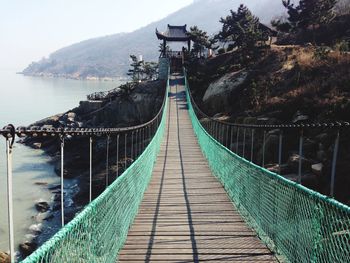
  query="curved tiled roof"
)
[{"x": 174, "y": 33}]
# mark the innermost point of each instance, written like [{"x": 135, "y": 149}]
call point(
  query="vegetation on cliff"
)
[{"x": 285, "y": 83}]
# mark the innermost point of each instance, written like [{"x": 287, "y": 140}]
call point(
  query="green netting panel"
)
[
  {"x": 98, "y": 233},
  {"x": 299, "y": 224}
]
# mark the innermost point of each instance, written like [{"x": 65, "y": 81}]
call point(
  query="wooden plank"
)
[{"x": 186, "y": 215}]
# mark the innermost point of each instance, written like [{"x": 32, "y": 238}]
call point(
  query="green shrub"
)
[
  {"x": 343, "y": 46},
  {"x": 321, "y": 52}
]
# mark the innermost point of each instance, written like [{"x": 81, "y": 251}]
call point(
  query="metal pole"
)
[
  {"x": 90, "y": 188},
  {"x": 132, "y": 146},
  {"x": 264, "y": 141},
  {"x": 244, "y": 131},
  {"x": 252, "y": 147},
  {"x": 140, "y": 142},
  {"x": 117, "y": 155},
  {"x": 237, "y": 140},
  {"x": 125, "y": 149},
  {"x": 10, "y": 198},
  {"x": 301, "y": 140},
  {"x": 107, "y": 161},
  {"x": 136, "y": 143},
  {"x": 143, "y": 139},
  {"x": 227, "y": 138},
  {"x": 334, "y": 163},
  {"x": 280, "y": 152},
  {"x": 231, "y": 130},
  {"x": 62, "y": 181}
]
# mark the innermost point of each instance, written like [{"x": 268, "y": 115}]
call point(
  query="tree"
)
[
  {"x": 150, "y": 69},
  {"x": 241, "y": 28},
  {"x": 201, "y": 40},
  {"x": 135, "y": 71},
  {"x": 291, "y": 23},
  {"x": 307, "y": 13},
  {"x": 316, "y": 12}
]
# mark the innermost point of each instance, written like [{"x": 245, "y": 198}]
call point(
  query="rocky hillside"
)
[
  {"x": 288, "y": 84},
  {"x": 121, "y": 110},
  {"x": 109, "y": 56}
]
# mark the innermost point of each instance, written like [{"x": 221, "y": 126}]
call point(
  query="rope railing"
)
[
  {"x": 299, "y": 224},
  {"x": 250, "y": 140},
  {"x": 100, "y": 229}
]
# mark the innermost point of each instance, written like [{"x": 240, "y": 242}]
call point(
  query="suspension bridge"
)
[{"x": 188, "y": 197}]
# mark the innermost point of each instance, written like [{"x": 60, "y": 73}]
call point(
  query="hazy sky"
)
[{"x": 31, "y": 29}]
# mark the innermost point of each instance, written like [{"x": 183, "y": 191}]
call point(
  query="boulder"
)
[
  {"x": 42, "y": 207},
  {"x": 275, "y": 168},
  {"x": 299, "y": 117},
  {"x": 27, "y": 248},
  {"x": 4, "y": 257},
  {"x": 71, "y": 115},
  {"x": 218, "y": 94},
  {"x": 37, "y": 145},
  {"x": 317, "y": 169},
  {"x": 293, "y": 163}
]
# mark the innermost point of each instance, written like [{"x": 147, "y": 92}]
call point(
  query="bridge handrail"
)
[
  {"x": 22, "y": 131},
  {"x": 98, "y": 232},
  {"x": 299, "y": 224}
]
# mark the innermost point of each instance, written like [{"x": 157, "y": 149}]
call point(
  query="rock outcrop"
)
[{"x": 219, "y": 93}]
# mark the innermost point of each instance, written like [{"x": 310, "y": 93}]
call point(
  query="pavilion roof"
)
[{"x": 174, "y": 33}]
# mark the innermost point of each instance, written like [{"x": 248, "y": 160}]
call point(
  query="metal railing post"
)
[
  {"x": 62, "y": 180},
  {"x": 90, "y": 177},
  {"x": 136, "y": 146},
  {"x": 263, "y": 150},
  {"x": 237, "y": 140},
  {"x": 107, "y": 161},
  {"x": 244, "y": 132},
  {"x": 227, "y": 137},
  {"x": 125, "y": 149},
  {"x": 301, "y": 141},
  {"x": 231, "y": 137},
  {"x": 334, "y": 162},
  {"x": 10, "y": 197},
  {"x": 140, "y": 142},
  {"x": 252, "y": 147},
  {"x": 132, "y": 147},
  {"x": 117, "y": 155},
  {"x": 280, "y": 151}
]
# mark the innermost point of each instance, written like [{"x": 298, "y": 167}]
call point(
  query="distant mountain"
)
[{"x": 109, "y": 56}]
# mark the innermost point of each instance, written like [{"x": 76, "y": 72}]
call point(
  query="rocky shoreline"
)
[{"x": 137, "y": 106}]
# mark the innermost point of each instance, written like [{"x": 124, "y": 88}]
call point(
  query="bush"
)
[
  {"x": 343, "y": 46},
  {"x": 321, "y": 52}
]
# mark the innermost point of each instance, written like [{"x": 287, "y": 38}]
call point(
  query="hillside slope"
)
[{"x": 109, "y": 56}]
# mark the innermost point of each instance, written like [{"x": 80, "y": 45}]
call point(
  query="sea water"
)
[{"x": 24, "y": 100}]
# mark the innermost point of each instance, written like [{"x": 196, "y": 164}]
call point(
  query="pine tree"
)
[
  {"x": 200, "y": 39},
  {"x": 241, "y": 28},
  {"x": 316, "y": 12},
  {"x": 307, "y": 13},
  {"x": 135, "y": 71}
]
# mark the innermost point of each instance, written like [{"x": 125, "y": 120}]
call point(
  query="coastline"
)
[{"x": 75, "y": 77}]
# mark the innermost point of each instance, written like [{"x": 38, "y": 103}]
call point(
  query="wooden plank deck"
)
[{"x": 186, "y": 215}]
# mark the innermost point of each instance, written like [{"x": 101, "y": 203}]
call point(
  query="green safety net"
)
[
  {"x": 98, "y": 233},
  {"x": 297, "y": 223}
]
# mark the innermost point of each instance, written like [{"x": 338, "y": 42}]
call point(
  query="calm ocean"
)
[{"x": 24, "y": 100}]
